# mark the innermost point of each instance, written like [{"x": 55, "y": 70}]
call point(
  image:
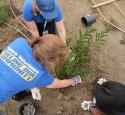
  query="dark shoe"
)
[
  {"x": 0, "y": 50},
  {"x": 21, "y": 95}
]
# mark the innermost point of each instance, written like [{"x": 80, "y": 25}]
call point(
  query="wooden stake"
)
[{"x": 103, "y": 3}]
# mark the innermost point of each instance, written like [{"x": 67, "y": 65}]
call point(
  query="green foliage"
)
[
  {"x": 99, "y": 41},
  {"x": 3, "y": 12},
  {"x": 78, "y": 63},
  {"x": 79, "y": 60}
]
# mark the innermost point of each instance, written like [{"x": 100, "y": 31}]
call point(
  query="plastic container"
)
[
  {"x": 88, "y": 19},
  {"x": 2, "y": 112},
  {"x": 27, "y": 109}
]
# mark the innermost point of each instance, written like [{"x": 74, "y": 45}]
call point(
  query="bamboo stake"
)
[
  {"x": 16, "y": 29},
  {"x": 106, "y": 19},
  {"x": 119, "y": 9},
  {"x": 16, "y": 17},
  {"x": 103, "y": 3}
]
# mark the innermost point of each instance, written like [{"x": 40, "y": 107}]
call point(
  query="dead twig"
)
[
  {"x": 16, "y": 17},
  {"x": 103, "y": 3},
  {"x": 107, "y": 20},
  {"x": 16, "y": 29}
]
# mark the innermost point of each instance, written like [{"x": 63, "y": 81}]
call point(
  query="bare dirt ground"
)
[
  {"x": 110, "y": 59},
  {"x": 112, "y": 55}
]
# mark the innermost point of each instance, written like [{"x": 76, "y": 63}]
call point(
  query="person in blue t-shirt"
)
[
  {"x": 27, "y": 64},
  {"x": 43, "y": 17}
]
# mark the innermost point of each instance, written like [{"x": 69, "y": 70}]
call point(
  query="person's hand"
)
[
  {"x": 76, "y": 80},
  {"x": 87, "y": 105},
  {"x": 36, "y": 93}
]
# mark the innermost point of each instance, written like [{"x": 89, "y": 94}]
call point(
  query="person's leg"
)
[
  {"x": 40, "y": 28},
  {"x": 51, "y": 27},
  {"x": 21, "y": 95}
]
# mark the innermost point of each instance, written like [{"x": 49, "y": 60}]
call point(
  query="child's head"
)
[
  {"x": 110, "y": 97},
  {"x": 49, "y": 50}
]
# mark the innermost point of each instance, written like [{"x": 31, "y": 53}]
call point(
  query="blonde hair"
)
[{"x": 49, "y": 48}]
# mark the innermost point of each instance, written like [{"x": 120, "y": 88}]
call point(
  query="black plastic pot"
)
[
  {"x": 2, "y": 112},
  {"x": 88, "y": 19},
  {"x": 27, "y": 109}
]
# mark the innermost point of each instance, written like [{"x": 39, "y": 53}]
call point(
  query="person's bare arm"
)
[
  {"x": 33, "y": 29},
  {"x": 61, "y": 83},
  {"x": 95, "y": 111},
  {"x": 61, "y": 30},
  {"x": 56, "y": 84}
]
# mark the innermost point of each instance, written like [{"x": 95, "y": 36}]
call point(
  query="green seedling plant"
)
[
  {"x": 3, "y": 12},
  {"x": 100, "y": 38},
  {"x": 79, "y": 60}
]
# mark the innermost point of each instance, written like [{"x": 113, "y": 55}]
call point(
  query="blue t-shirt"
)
[
  {"x": 19, "y": 70},
  {"x": 29, "y": 15}
]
